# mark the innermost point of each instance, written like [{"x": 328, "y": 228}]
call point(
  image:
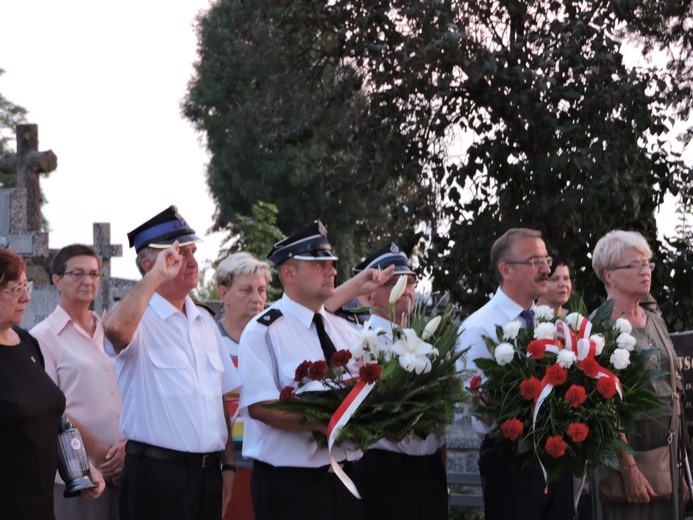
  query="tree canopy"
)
[
  {"x": 11, "y": 115},
  {"x": 448, "y": 122}
]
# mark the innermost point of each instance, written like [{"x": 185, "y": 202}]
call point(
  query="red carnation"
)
[
  {"x": 576, "y": 395},
  {"x": 607, "y": 387},
  {"x": 370, "y": 372},
  {"x": 536, "y": 349},
  {"x": 512, "y": 429},
  {"x": 287, "y": 393},
  {"x": 301, "y": 371},
  {"x": 589, "y": 366},
  {"x": 530, "y": 388},
  {"x": 317, "y": 370},
  {"x": 577, "y": 431},
  {"x": 340, "y": 358},
  {"x": 556, "y": 375},
  {"x": 555, "y": 446},
  {"x": 475, "y": 383}
]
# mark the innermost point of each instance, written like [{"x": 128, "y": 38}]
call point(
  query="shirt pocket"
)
[{"x": 172, "y": 372}]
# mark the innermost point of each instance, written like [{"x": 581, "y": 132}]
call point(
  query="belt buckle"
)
[{"x": 206, "y": 460}]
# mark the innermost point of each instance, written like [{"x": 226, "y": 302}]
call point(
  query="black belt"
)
[
  {"x": 200, "y": 460},
  {"x": 296, "y": 469}
]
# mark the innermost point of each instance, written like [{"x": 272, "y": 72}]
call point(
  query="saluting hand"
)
[
  {"x": 370, "y": 279},
  {"x": 168, "y": 262}
]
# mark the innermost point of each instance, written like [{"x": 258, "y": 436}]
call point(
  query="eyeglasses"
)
[
  {"x": 80, "y": 275},
  {"x": 16, "y": 292},
  {"x": 411, "y": 282},
  {"x": 536, "y": 261},
  {"x": 635, "y": 265}
]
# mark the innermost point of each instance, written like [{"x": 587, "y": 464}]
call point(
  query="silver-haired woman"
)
[{"x": 623, "y": 262}]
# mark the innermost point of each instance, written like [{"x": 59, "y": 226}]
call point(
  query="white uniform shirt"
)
[
  {"x": 172, "y": 377},
  {"x": 412, "y": 445},
  {"x": 499, "y": 310},
  {"x": 267, "y": 361}
]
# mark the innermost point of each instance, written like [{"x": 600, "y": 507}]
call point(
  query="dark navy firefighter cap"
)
[
  {"x": 310, "y": 243},
  {"x": 163, "y": 230},
  {"x": 385, "y": 257}
]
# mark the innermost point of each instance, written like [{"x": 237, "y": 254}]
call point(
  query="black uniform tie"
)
[{"x": 325, "y": 341}]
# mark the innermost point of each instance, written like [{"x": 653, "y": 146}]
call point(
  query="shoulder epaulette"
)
[
  {"x": 270, "y": 317},
  {"x": 207, "y": 307},
  {"x": 351, "y": 316}
]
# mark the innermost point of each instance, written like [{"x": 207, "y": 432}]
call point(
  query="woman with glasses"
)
[
  {"x": 622, "y": 261},
  {"x": 71, "y": 339},
  {"x": 30, "y": 407}
]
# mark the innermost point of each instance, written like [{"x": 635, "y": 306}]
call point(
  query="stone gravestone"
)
[{"x": 683, "y": 343}]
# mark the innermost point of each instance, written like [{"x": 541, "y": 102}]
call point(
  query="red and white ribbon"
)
[
  {"x": 339, "y": 419},
  {"x": 583, "y": 347}
]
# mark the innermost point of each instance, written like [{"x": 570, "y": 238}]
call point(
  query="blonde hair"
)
[
  {"x": 610, "y": 249},
  {"x": 237, "y": 264}
]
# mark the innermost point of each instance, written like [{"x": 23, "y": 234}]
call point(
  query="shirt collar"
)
[
  {"x": 59, "y": 319},
  {"x": 164, "y": 309},
  {"x": 303, "y": 314},
  {"x": 510, "y": 308}
]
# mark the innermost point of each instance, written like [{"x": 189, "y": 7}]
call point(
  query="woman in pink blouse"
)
[{"x": 71, "y": 340}]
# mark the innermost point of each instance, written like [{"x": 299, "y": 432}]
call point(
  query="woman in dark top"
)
[{"x": 30, "y": 408}]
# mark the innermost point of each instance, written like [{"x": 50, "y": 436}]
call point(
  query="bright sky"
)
[{"x": 104, "y": 84}]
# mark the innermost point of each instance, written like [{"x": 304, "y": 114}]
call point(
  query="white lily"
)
[
  {"x": 368, "y": 341},
  {"x": 431, "y": 327},
  {"x": 413, "y": 352},
  {"x": 398, "y": 289}
]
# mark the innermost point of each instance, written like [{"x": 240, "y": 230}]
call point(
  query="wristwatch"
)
[{"x": 230, "y": 467}]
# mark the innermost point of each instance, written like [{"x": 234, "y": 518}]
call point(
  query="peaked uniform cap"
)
[
  {"x": 309, "y": 243},
  {"x": 163, "y": 230},
  {"x": 385, "y": 257}
]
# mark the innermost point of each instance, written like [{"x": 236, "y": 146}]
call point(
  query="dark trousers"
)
[
  {"x": 288, "y": 493},
  {"x": 405, "y": 487},
  {"x": 511, "y": 492},
  {"x": 151, "y": 488}
]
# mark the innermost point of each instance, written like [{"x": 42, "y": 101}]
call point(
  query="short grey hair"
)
[
  {"x": 237, "y": 264},
  {"x": 148, "y": 252},
  {"x": 505, "y": 242},
  {"x": 610, "y": 249}
]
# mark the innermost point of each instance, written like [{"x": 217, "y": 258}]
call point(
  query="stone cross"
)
[
  {"x": 28, "y": 163},
  {"x": 106, "y": 250}
]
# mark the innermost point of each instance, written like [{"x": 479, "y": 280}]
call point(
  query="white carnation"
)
[
  {"x": 573, "y": 320},
  {"x": 626, "y": 341},
  {"x": 545, "y": 330},
  {"x": 623, "y": 326},
  {"x": 620, "y": 358},
  {"x": 511, "y": 329},
  {"x": 504, "y": 353},
  {"x": 598, "y": 343},
  {"x": 566, "y": 358},
  {"x": 544, "y": 312}
]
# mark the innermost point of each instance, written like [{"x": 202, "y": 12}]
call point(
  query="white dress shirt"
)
[
  {"x": 500, "y": 310},
  {"x": 172, "y": 377}
]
